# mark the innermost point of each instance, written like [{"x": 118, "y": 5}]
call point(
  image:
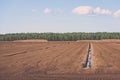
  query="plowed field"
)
[
  {"x": 59, "y": 60},
  {"x": 106, "y": 57}
]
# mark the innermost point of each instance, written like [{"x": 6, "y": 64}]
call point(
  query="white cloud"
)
[
  {"x": 34, "y": 10},
  {"x": 82, "y": 10},
  {"x": 117, "y": 13},
  {"x": 98, "y": 10},
  {"x": 88, "y": 10},
  {"x": 47, "y": 10}
]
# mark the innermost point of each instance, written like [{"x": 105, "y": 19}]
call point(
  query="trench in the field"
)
[{"x": 88, "y": 59}]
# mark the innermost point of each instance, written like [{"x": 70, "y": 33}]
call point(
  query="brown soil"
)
[
  {"x": 59, "y": 60},
  {"x": 106, "y": 57}
]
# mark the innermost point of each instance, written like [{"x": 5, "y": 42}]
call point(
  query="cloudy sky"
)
[{"x": 59, "y": 16}]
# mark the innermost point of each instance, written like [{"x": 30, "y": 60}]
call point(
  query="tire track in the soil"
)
[{"x": 14, "y": 54}]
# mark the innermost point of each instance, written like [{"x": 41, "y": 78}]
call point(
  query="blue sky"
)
[{"x": 59, "y": 16}]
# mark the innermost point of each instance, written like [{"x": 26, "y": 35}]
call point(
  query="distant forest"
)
[{"x": 60, "y": 36}]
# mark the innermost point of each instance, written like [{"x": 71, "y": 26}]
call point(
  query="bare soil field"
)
[
  {"x": 59, "y": 60},
  {"x": 106, "y": 57}
]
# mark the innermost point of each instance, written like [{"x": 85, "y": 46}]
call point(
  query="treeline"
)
[{"x": 60, "y": 36}]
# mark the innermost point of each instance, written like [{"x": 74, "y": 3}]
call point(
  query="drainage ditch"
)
[{"x": 88, "y": 59}]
